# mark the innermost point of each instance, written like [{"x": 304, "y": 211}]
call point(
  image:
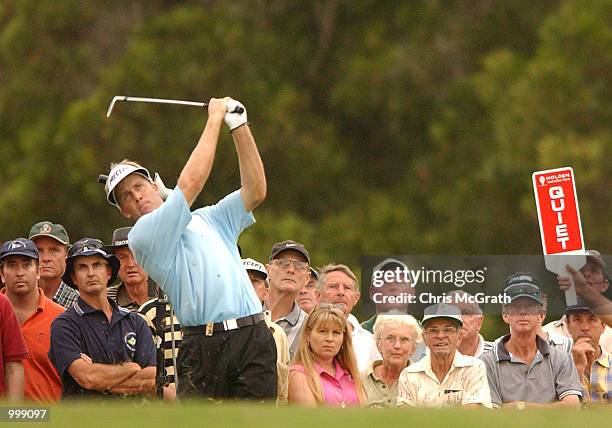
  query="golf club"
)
[{"x": 159, "y": 101}]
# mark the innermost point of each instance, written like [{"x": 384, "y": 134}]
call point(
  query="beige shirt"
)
[
  {"x": 560, "y": 327},
  {"x": 377, "y": 392},
  {"x": 465, "y": 383},
  {"x": 282, "y": 361}
]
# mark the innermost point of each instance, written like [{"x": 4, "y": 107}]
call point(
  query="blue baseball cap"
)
[
  {"x": 89, "y": 247},
  {"x": 19, "y": 247}
]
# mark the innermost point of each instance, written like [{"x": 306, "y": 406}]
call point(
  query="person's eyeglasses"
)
[
  {"x": 284, "y": 263},
  {"x": 446, "y": 331},
  {"x": 391, "y": 339}
]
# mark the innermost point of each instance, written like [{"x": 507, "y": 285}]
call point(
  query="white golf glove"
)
[
  {"x": 164, "y": 192},
  {"x": 234, "y": 120}
]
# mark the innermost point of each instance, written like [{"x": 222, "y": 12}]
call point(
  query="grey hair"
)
[
  {"x": 461, "y": 297},
  {"x": 396, "y": 321},
  {"x": 332, "y": 267}
]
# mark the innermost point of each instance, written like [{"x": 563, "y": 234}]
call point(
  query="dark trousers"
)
[{"x": 238, "y": 363}]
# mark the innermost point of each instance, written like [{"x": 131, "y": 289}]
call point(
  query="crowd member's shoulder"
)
[
  {"x": 467, "y": 360},
  {"x": 53, "y": 307}
]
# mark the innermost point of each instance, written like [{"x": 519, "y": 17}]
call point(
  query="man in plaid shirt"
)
[{"x": 593, "y": 362}]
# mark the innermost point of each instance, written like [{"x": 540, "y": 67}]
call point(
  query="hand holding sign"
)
[{"x": 560, "y": 227}]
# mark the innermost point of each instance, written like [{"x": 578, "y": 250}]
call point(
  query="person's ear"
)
[{"x": 505, "y": 317}]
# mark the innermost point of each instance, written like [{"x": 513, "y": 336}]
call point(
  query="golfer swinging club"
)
[{"x": 227, "y": 350}]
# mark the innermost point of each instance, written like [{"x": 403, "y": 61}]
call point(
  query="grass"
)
[{"x": 112, "y": 414}]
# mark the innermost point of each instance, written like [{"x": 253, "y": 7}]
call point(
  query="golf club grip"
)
[{"x": 238, "y": 109}]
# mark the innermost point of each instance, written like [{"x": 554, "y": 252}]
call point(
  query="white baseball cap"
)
[
  {"x": 255, "y": 266},
  {"x": 117, "y": 174},
  {"x": 442, "y": 310}
]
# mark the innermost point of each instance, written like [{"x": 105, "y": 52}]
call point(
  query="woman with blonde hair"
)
[{"x": 324, "y": 368}]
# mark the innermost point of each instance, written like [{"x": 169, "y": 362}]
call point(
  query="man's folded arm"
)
[{"x": 101, "y": 377}]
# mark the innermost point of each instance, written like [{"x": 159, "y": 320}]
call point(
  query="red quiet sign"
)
[{"x": 558, "y": 213}]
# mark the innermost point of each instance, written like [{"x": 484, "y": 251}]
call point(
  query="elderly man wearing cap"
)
[
  {"x": 52, "y": 242},
  {"x": 444, "y": 377},
  {"x": 136, "y": 287},
  {"x": 472, "y": 343},
  {"x": 523, "y": 369},
  {"x": 591, "y": 282},
  {"x": 259, "y": 278},
  {"x": 35, "y": 312},
  {"x": 194, "y": 258},
  {"x": 288, "y": 271},
  {"x": 338, "y": 286},
  {"x": 308, "y": 297},
  {"x": 97, "y": 347},
  {"x": 594, "y": 364}
]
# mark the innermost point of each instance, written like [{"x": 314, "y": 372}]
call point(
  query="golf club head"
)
[{"x": 112, "y": 104}]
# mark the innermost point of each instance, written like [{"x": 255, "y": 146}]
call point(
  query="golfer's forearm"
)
[
  {"x": 252, "y": 174},
  {"x": 196, "y": 171}
]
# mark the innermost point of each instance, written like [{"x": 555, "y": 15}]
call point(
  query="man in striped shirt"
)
[
  {"x": 135, "y": 288},
  {"x": 167, "y": 332}
]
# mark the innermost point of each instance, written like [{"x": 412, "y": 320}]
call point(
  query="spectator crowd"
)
[{"x": 86, "y": 320}]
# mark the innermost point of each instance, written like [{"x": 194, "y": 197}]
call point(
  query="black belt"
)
[{"x": 227, "y": 325}]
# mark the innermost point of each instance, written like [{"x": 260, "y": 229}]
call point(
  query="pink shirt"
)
[{"x": 339, "y": 390}]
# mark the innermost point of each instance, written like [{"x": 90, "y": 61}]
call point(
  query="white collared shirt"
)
[
  {"x": 363, "y": 344},
  {"x": 465, "y": 383}
]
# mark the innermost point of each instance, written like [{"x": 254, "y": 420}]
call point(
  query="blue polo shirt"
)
[
  {"x": 193, "y": 257},
  {"x": 84, "y": 330}
]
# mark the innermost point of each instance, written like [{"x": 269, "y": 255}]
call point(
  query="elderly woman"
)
[
  {"x": 324, "y": 369},
  {"x": 396, "y": 337}
]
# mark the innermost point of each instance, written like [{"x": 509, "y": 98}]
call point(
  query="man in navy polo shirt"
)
[
  {"x": 227, "y": 350},
  {"x": 97, "y": 347}
]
